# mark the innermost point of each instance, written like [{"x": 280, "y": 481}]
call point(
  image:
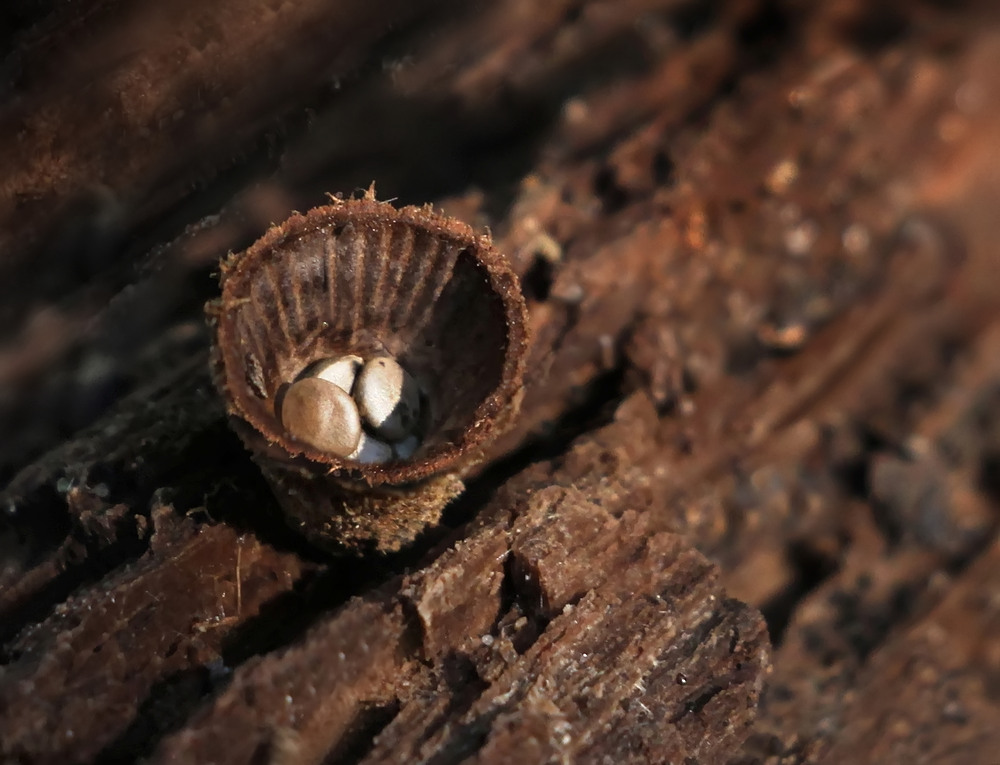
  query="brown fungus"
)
[{"x": 361, "y": 278}]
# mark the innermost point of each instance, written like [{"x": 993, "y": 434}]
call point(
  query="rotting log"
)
[{"x": 758, "y": 246}]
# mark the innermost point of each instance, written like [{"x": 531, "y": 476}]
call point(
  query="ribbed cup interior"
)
[{"x": 363, "y": 278}]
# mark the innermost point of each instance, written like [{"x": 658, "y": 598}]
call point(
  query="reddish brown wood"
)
[{"x": 748, "y": 513}]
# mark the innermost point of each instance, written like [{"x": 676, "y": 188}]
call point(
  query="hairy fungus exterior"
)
[{"x": 361, "y": 277}]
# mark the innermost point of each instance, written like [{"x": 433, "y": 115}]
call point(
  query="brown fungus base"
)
[{"x": 340, "y": 518}]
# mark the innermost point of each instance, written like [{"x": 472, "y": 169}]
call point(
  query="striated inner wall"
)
[
  {"x": 459, "y": 350},
  {"x": 366, "y": 289}
]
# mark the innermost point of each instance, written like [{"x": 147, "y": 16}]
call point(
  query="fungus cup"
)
[{"x": 360, "y": 278}]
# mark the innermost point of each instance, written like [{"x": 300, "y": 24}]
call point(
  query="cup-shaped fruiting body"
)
[{"x": 402, "y": 318}]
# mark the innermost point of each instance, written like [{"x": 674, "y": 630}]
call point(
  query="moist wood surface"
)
[{"x": 748, "y": 514}]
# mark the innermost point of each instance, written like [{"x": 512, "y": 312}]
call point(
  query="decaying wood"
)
[
  {"x": 511, "y": 641},
  {"x": 749, "y": 511}
]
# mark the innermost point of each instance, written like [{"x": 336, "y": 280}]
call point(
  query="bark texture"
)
[{"x": 748, "y": 514}]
